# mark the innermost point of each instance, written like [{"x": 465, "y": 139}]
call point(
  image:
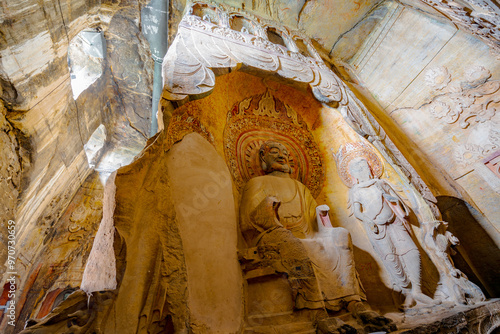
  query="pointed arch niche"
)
[
  {"x": 209, "y": 56},
  {"x": 213, "y": 74}
]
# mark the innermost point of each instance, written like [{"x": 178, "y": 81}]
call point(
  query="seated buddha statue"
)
[{"x": 317, "y": 258}]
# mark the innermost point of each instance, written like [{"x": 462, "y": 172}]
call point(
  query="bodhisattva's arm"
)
[
  {"x": 357, "y": 209},
  {"x": 388, "y": 187}
]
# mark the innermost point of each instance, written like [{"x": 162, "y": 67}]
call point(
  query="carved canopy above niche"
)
[{"x": 211, "y": 36}]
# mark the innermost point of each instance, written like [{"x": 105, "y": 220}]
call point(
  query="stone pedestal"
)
[{"x": 481, "y": 319}]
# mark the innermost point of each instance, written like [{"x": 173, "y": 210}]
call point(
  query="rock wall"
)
[
  {"x": 44, "y": 130},
  {"x": 151, "y": 266},
  {"x": 10, "y": 176},
  {"x": 60, "y": 258},
  {"x": 42, "y": 120}
]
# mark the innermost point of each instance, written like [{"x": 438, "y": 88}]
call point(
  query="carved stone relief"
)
[
  {"x": 202, "y": 46},
  {"x": 209, "y": 41},
  {"x": 360, "y": 119},
  {"x": 379, "y": 207},
  {"x": 262, "y": 117},
  {"x": 181, "y": 125},
  {"x": 479, "y": 17},
  {"x": 453, "y": 286},
  {"x": 437, "y": 77},
  {"x": 472, "y": 98},
  {"x": 289, "y": 234},
  {"x": 376, "y": 204},
  {"x": 472, "y": 102},
  {"x": 482, "y": 141},
  {"x": 81, "y": 223}
]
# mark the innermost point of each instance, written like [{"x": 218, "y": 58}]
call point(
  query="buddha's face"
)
[
  {"x": 274, "y": 157},
  {"x": 360, "y": 170}
]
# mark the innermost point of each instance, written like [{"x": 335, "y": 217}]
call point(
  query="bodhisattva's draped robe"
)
[{"x": 333, "y": 280}]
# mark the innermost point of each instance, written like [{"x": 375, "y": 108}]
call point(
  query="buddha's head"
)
[
  {"x": 360, "y": 170},
  {"x": 274, "y": 157}
]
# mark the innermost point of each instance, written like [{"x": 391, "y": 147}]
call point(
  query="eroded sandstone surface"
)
[{"x": 417, "y": 80}]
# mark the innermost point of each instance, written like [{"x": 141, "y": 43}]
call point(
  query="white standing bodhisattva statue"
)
[{"x": 383, "y": 213}]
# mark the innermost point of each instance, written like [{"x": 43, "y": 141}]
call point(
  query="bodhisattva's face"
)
[
  {"x": 360, "y": 170},
  {"x": 275, "y": 158}
]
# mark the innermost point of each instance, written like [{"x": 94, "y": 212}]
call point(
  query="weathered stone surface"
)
[
  {"x": 312, "y": 17},
  {"x": 403, "y": 56},
  {"x": 484, "y": 318},
  {"x": 35, "y": 45},
  {"x": 100, "y": 269},
  {"x": 151, "y": 268},
  {"x": 10, "y": 177},
  {"x": 414, "y": 81},
  {"x": 205, "y": 209},
  {"x": 46, "y": 129},
  {"x": 131, "y": 79},
  {"x": 60, "y": 259}
]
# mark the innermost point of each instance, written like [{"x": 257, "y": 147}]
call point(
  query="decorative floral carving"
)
[
  {"x": 181, "y": 125},
  {"x": 476, "y": 98},
  {"x": 81, "y": 221},
  {"x": 439, "y": 110},
  {"x": 478, "y": 145},
  {"x": 477, "y": 75},
  {"x": 464, "y": 155},
  {"x": 438, "y": 77}
]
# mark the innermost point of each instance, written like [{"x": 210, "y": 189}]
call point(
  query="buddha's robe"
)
[{"x": 328, "y": 250}]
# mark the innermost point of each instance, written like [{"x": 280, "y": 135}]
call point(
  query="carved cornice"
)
[{"x": 214, "y": 37}]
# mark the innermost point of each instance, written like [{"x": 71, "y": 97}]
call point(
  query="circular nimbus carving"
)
[
  {"x": 258, "y": 119},
  {"x": 360, "y": 149}
]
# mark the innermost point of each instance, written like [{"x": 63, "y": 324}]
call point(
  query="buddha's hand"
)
[{"x": 265, "y": 215}]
